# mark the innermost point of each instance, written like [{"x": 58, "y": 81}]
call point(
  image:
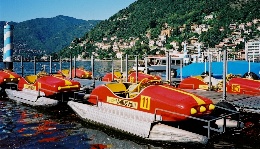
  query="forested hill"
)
[
  {"x": 47, "y": 34},
  {"x": 150, "y": 15},
  {"x": 144, "y": 20}
]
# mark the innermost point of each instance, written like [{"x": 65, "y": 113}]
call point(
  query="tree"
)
[{"x": 168, "y": 46}]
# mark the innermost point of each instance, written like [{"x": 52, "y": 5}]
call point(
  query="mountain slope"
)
[
  {"x": 150, "y": 15},
  {"x": 144, "y": 20},
  {"x": 48, "y": 34}
]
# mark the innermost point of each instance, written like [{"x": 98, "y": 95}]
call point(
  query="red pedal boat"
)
[
  {"x": 140, "y": 75},
  {"x": 131, "y": 78},
  {"x": 8, "y": 79},
  {"x": 80, "y": 73},
  {"x": 43, "y": 89},
  {"x": 117, "y": 76},
  {"x": 148, "y": 109},
  {"x": 244, "y": 86},
  {"x": 234, "y": 84}
]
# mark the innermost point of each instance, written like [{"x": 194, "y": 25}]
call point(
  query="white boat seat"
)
[{"x": 133, "y": 88}]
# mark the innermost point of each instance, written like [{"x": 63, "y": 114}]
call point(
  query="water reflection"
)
[{"x": 22, "y": 126}]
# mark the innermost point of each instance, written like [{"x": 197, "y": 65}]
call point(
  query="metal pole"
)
[
  {"x": 181, "y": 69},
  {"x": 22, "y": 65},
  {"x": 146, "y": 63},
  {"x": 126, "y": 67},
  {"x": 136, "y": 60},
  {"x": 34, "y": 64},
  {"x": 121, "y": 63},
  {"x": 112, "y": 63},
  {"x": 210, "y": 57},
  {"x": 205, "y": 66},
  {"x": 75, "y": 67},
  {"x": 70, "y": 66},
  {"x": 167, "y": 67},
  {"x": 224, "y": 72},
  {"x": 249, "y": 65},
  {"x": 93, "y": 68},
  {"x": 209, "y": 130},
  {"x": 170, "y": 68},
  {"x": 50, "y": 65},
  {"x": 92, "y": 65},
  {"x": 55, "y": 70},
  {"x": 253, "y": 56},
  {"x": 60, "y": 64}
]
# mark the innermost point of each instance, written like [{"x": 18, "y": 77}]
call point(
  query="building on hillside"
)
[
  {"x": 151, "y": 43},
  {"x": 209, "y": 17},
  {"x": 162, "y": 37},
  {"x": 255, "y": 21},
  {"x": 119, "y": 55},
  {"x": 105, "y": 39},
  {"x": 232, "y": 26},
  {"x": 113, "y": 38},
  {"x": 166, "y": 32},
  {"x": 193, "y": 27},
  {"x": 193, "y": 40},
  {"x": 252, "y": 50},
  {"x": 181, "y": 28},
  {"x": 175, "y": 45}
]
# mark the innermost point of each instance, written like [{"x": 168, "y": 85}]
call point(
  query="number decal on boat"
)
[
  {"x": 145, "y": 102},
  {"x": 132, "y": 79},
  {"x": 235, "y": 88},
  {"x": 122, "y": 102},
  {"x": 31, "y": 87}
]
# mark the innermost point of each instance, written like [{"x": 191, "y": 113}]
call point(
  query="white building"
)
[{"x": 252, "y": 50}]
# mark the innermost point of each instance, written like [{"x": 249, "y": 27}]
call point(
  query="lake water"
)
[
  {"x": 23, "y": 126},
  {"x": 101, "y": 67}
]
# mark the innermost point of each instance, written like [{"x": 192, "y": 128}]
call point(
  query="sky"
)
[{"x": 22, "y": 10}]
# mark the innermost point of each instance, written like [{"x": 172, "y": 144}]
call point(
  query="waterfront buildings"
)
[{"x": 252, "y": 50}]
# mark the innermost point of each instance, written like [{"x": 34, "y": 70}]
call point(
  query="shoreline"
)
[{"x": 81, "y": 61}]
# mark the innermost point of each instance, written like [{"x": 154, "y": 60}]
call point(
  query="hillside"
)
[
  {"x": 47, "y": 35},
  {"x": 149, "y": 16},
  {"x": 146, "y": 19}
]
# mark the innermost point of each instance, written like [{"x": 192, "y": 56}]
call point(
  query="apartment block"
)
[{"x": 252, "y": 50}]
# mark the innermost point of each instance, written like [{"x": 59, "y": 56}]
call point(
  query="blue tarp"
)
[{"x": 233, "y": 67}]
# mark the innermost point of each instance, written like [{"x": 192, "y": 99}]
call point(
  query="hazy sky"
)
[{"x": 22, "y": 10}]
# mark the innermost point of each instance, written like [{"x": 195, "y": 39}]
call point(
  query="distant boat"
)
[
  {"x": 80, "y": 73},
  {"x": 158, "y": 64}
]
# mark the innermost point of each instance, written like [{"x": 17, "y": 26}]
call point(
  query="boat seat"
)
[
  {"x": 118, "y": 74},
  {"x": 41, "y": 74},
  {"x": 116, "y": 87},
  {"x": 132, "y": 90},
  {"x": 132, "y": 94},
  {"x": 65, "y": 72},
  {"x": 31, "y": 78}
]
